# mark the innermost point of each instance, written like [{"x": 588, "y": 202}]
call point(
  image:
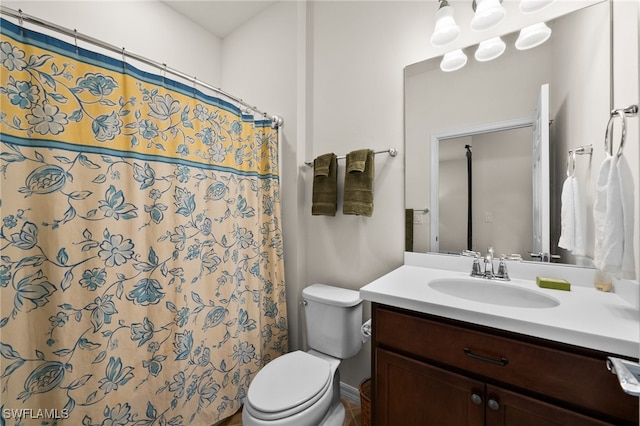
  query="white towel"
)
[
  {"x": 572, "y": 218},
  {"x": 613, "y": 218}
]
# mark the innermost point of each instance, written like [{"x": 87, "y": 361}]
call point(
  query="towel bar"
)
[{"x": 392, "y": 152}]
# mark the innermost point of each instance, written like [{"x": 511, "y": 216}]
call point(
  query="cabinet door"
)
[
  {"x": 505, "y": 408},
  {"x": 409, "y": 392}
]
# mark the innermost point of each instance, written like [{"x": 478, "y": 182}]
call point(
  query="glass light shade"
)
[
  {"x": 446, "y": 30},
  {"x": 489, "y": 13},
  {"x": 533, "y": 36},
  {"x": 490, "y": 49},
  {"x": 532, "y": 6},
  {"x": 453, "y": 61}
]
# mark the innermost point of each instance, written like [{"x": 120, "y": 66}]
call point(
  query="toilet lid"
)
[{"x": 293, "y": 380}]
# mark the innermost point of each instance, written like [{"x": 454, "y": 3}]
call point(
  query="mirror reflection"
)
[
  {"x": 466, "y": 179},
  {"x": 575, "y": 63}
]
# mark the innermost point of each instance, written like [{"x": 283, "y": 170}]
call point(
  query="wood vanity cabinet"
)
[{"x": 429, "y": 370}]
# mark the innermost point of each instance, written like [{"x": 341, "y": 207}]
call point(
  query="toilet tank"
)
[{"x": 333, "y": 320}]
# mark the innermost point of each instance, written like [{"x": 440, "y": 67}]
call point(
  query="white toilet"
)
[{"x": 303, "y": 388}]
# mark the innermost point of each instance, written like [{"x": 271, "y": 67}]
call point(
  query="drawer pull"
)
[{"x": 501, "y": 362}]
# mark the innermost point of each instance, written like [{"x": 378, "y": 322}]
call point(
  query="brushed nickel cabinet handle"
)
[
  {"x": 493, "y": 404},
  {"x": 501, "y": 362},
  {"x": 476, "y": 399}
]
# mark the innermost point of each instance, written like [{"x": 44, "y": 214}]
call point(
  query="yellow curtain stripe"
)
[{"x": 95, "y": 107}]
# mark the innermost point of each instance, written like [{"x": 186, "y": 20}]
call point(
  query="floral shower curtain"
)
[{"x": 141, "y": 273}]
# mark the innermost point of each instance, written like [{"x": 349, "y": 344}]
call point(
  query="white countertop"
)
[{"x": 585, "y": 317}]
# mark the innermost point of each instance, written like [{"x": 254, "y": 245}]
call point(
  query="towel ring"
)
[
  {"x": 608, "y": 145},
  {"x": 631, "y": 111}
]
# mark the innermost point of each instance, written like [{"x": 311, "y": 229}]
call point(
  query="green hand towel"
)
[
  {"x": 322, "y": 164},
  {"x": 325, "y": 185},
  {"x": 358, "y": 183},
  {"x": 408, "y": 230},
  {"x": 357, "y": 160}
]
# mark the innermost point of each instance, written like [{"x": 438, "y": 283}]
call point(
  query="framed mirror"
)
[{"x": 575, "y": 63}]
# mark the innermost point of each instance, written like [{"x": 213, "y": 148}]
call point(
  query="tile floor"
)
[{"x": 352, "y": 416}]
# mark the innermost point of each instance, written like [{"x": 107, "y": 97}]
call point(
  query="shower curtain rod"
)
[{"x": 276, "y": 120}]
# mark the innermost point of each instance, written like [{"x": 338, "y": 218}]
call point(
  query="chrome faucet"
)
[
  {"x": 488, "y": 273},
  {"x": 488, "y": 263},
  {"x": 475, "y": 268},
  {"x": 488, "y": 266}
]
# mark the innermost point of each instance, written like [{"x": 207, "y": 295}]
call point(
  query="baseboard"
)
[{"x": 350, "y": 393}]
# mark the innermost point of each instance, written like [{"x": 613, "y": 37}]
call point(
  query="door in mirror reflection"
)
[
  {"x": 493, "y": 187},
  {"x": 501, "y": 199},
  {"x": 540, "y": 180}
]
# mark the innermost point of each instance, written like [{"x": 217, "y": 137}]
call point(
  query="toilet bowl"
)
[{"x": 303, "y": 388}]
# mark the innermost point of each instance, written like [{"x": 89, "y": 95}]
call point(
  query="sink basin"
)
[{"x": 495, "y": 293}]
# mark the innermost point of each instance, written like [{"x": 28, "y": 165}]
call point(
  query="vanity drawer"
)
[{"x": 576, "y": 379}]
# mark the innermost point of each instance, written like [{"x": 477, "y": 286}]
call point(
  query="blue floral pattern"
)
[{"x": 141, "y": 266}]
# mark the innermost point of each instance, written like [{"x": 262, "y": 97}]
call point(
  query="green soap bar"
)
[{"x": 554, "y": 283}]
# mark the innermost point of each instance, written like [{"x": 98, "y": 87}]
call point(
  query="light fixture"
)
[
  {"x": 489, "y": 13},
  {"x": 446, "y": 30},
  {"x": 453, "y": 61},
  {"x": 532, "y": 36},
  {"x": 490, "y": 49},
  {"x": 532, "y": 6}
]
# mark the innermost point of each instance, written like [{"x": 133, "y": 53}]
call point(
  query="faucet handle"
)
[
  {"x": 475, "y": 268},
  {"x": 502, "y": 269}
]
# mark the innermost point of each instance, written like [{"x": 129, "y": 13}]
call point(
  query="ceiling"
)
[{"x": 220, "y": 17}]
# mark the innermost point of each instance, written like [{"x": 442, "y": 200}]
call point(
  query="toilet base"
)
[{"x": 335, "y": 416}]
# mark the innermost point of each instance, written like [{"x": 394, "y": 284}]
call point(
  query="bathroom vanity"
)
[{"x": 443, "y": 359}]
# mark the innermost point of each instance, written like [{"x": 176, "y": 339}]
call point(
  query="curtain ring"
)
[
  {"x": 21, "y": 22},
  {"x": 75, "y": 39},
  {"x": 195, "y": 86},
  {"x": 608, "y": 144}
]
